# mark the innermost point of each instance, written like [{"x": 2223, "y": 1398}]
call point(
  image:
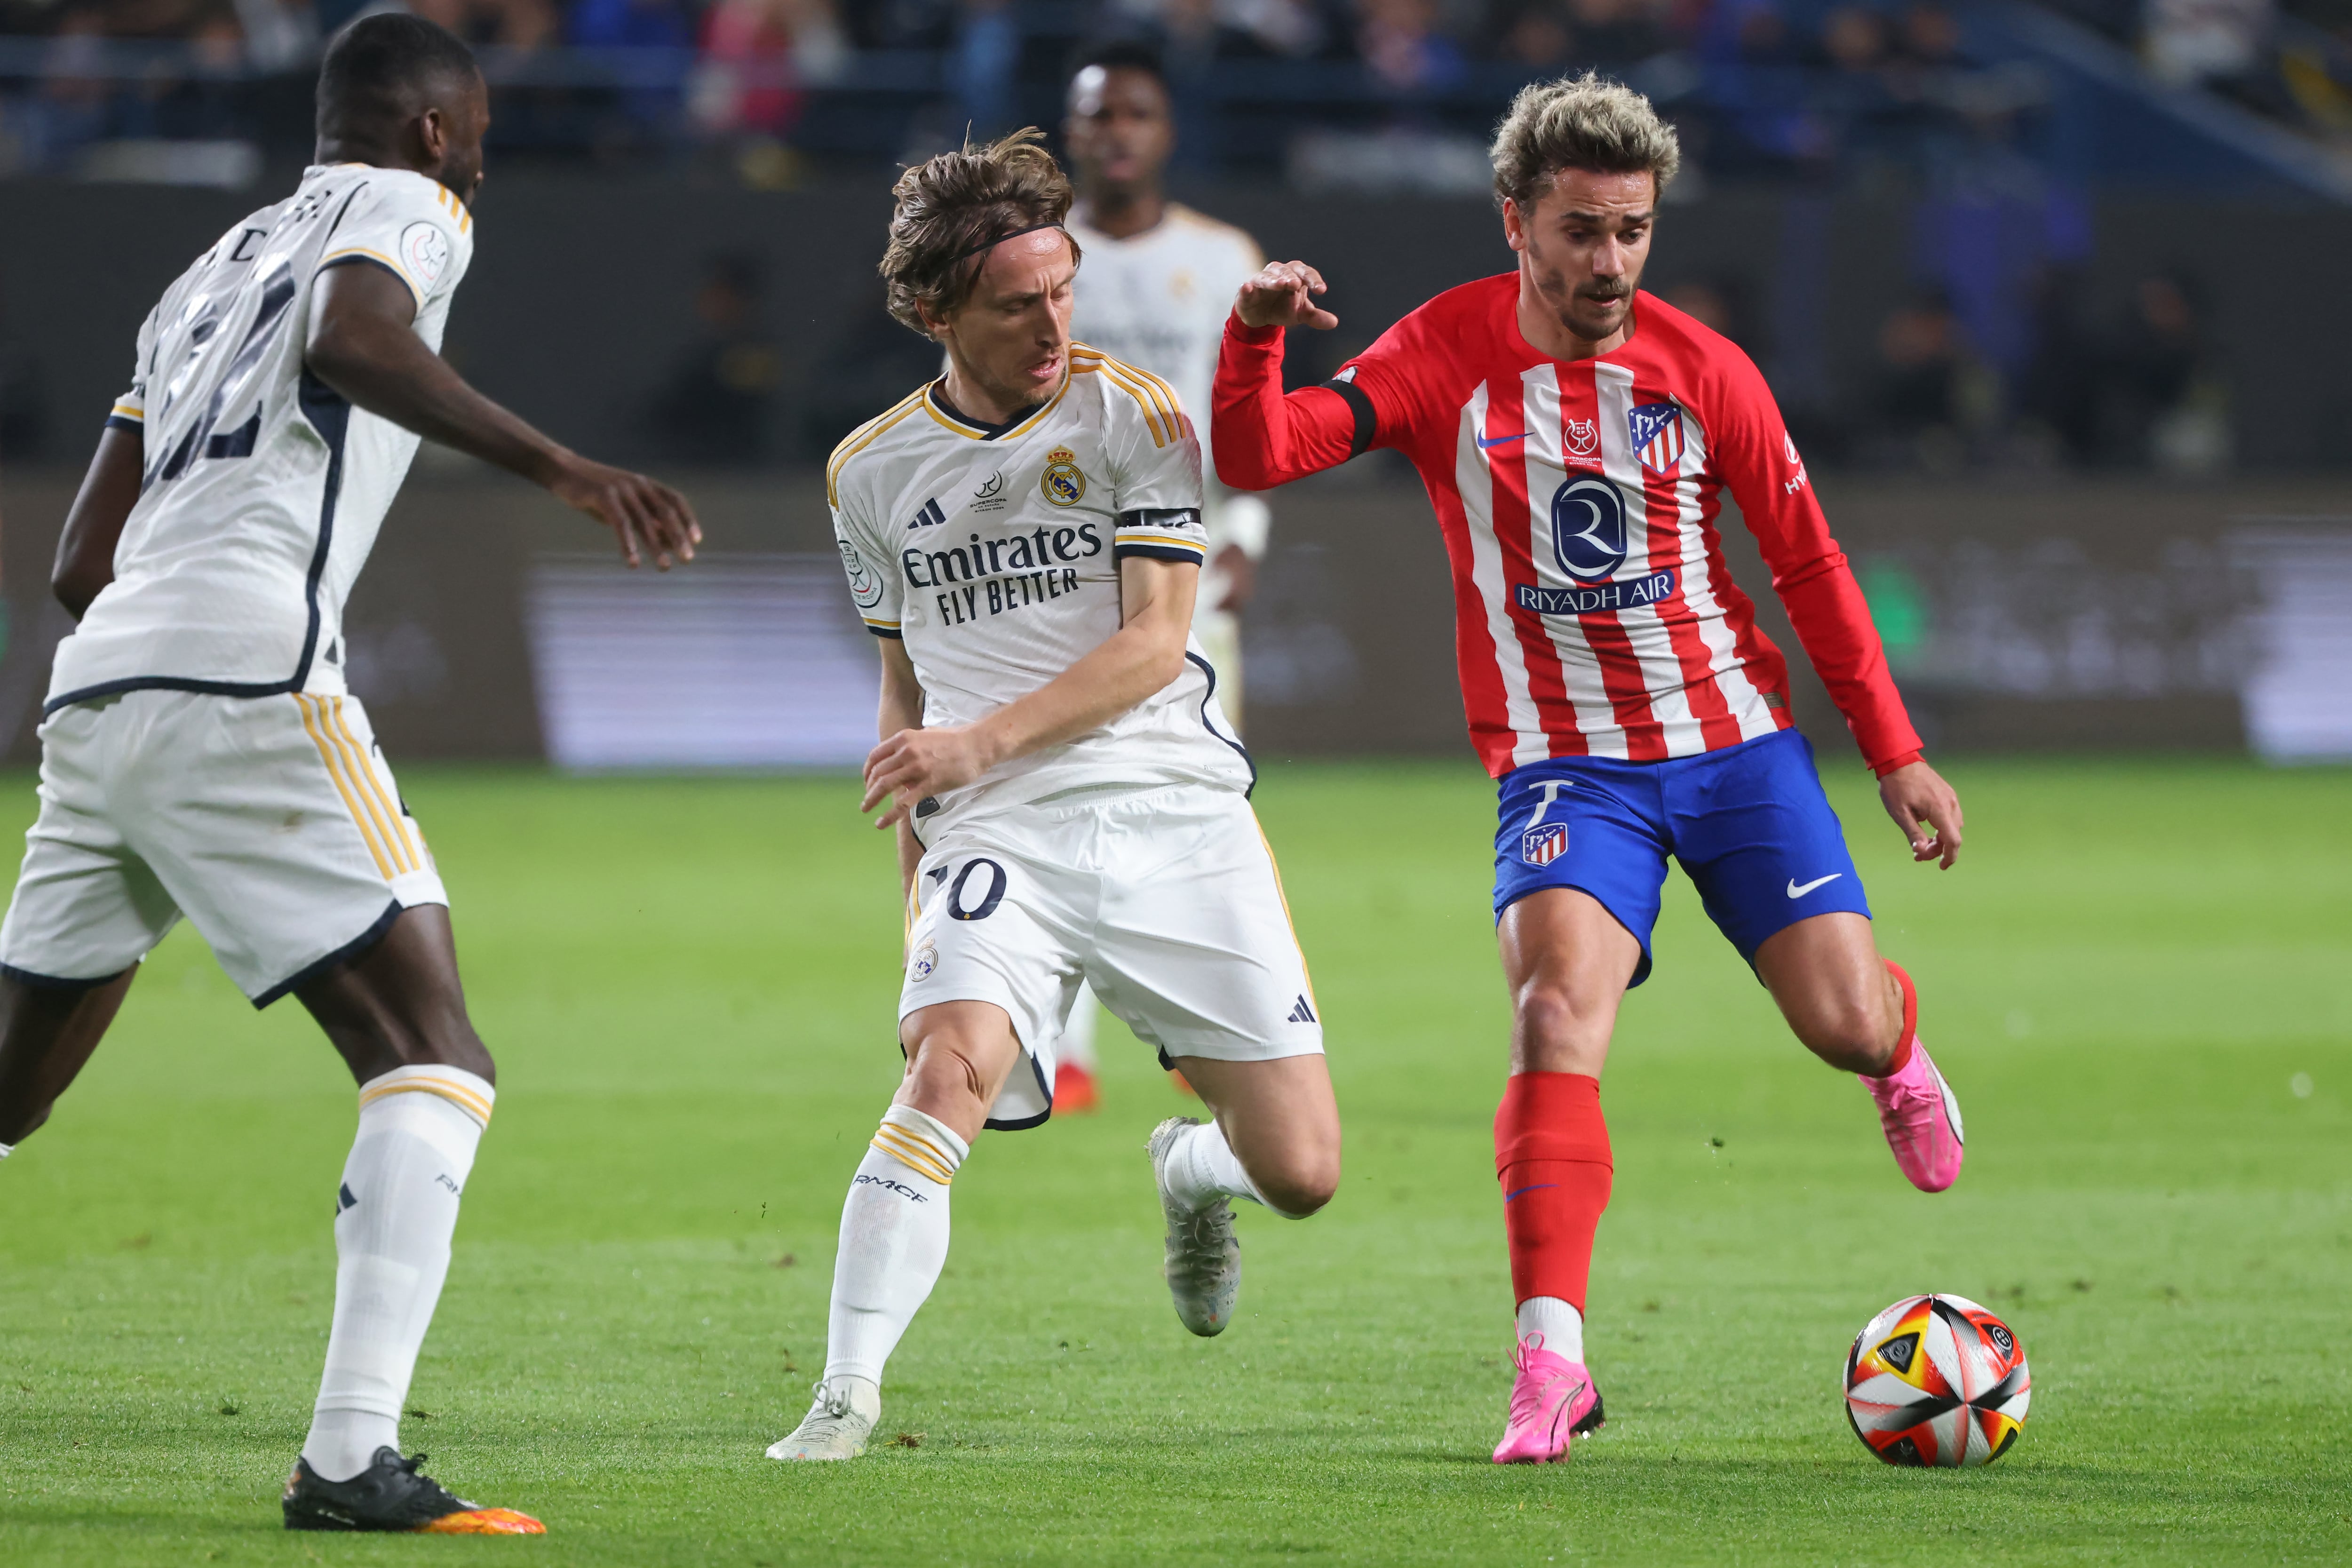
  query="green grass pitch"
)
[{"x": 2140, "y": 981}]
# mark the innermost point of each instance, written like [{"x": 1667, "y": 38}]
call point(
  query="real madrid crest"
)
[{"x": 1063, "y": 484}]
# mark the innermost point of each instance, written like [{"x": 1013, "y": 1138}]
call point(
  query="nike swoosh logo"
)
[
  {"x": 1523, "y": 1191},
  {"x": 1500, "y": 441},
  {"x": 1797, "y": 892}
]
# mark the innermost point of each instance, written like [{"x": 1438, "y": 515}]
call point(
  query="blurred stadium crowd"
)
[
  {"x": 1761, "y": 86},
  {"x": 2018, "y": 349}
]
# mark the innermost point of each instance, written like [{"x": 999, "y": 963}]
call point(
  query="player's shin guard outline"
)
[{"x": 1552, "y": 1156}]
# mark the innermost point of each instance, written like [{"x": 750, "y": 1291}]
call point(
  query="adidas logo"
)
[
  {"x": 1302, "y": 1013},
  {"x": 930, "y": 516}
]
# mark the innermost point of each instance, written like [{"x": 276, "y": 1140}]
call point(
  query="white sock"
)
[
  {"x": 1076, "y": 1045},
  {"x": 894, "y": 1241},
  {"x": 6, "y": 1150},
  {"x": 394, "y": 1215},
  {"x": 1203, "y": 1168},
  {"x": 1561, "y": 1325}
]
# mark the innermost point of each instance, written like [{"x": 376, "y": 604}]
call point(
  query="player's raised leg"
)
[
  {"x": 894, "y": 1224},
  {"x": 1275, "y": 1142},
  {"x": 397, "y": 1015},
  {"x": 1567, "y": 960},
  {"x": 1859, "y": 1012},
  {"x": 1754, "y": 829}
]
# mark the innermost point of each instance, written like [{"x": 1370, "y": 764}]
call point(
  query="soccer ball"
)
[{"x": 1936, "y": 1380}]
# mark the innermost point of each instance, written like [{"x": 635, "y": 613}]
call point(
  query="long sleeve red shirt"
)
[{"x": 1579, "y": 500}]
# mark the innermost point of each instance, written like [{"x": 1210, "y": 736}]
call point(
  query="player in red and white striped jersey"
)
[{"x": 1576, "y": 438}]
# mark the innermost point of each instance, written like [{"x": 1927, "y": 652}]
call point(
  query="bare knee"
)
[
  {"x": 1300, "y": 1182},
  {"x": 1554, "y": 1029},
  {"x": 945, "y": 1083}
]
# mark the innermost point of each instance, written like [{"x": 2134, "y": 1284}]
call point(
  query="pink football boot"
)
[
  {"x": 1553, "y": 1401},
  {"x": 1922, "y": 1121}
]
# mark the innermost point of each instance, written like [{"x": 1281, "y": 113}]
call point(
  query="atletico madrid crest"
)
[
  {"x": 1657, "y": 432},
  {"x": 1543, "y": 843}
]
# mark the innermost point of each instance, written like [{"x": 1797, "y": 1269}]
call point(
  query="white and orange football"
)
[{"x": 1936, "y": 1380}]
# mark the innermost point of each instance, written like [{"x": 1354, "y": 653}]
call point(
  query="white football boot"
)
[
  {"x": 1203, "y": 1262},
  {"x": 837, "y": 1426}
]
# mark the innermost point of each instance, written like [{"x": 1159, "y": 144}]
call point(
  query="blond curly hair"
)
[{"x": 1580, "y": 123}]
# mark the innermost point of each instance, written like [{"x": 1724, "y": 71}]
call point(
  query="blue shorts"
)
[{"x": 1749, "y": 824}]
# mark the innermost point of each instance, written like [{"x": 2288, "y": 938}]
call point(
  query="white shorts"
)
[
  {"x": 1168, "y": 903},
  {"x": 271, "y": 822}
]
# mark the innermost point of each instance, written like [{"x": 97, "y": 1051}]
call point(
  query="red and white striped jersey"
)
[{"x": 1579, "y": 498}]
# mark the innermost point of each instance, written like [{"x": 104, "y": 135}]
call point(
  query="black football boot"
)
[{"x": 391, "y": 1494}]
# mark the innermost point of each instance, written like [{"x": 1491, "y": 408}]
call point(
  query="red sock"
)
[
  {"x": 1902, "y": 1058},
  {"x": 1551, "y": 1151}
]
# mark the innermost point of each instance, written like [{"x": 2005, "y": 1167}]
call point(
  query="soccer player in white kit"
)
[
  {"x": 1023, "y": 536},
  {"x": 1157, "y": 281},
  {"x": 200, "y": 752}
]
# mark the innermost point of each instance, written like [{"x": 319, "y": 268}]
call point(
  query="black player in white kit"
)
[{"x": 200, "y": 752}]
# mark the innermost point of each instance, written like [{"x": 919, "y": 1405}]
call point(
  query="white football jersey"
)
[
  {"x": 263, "y": 489},
  {"x": 1159, "y": 301},
  {"x": 994, "y": 552}
]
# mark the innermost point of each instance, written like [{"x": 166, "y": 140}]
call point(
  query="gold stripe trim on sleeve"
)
[
  {"x": 335, "y": 776},
  {"x": 1159, "y": 412},
  {"x": 1151, "y": 416},
  {"x": 1162, "y": 395}
]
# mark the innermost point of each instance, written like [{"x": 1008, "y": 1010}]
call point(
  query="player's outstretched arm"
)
[
  {"x": 1261, "y": 435},
  {"x": 1141, "y": 658},
  {"x": 85, "y": 563},
  {"x": 363, "y": 343}
]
